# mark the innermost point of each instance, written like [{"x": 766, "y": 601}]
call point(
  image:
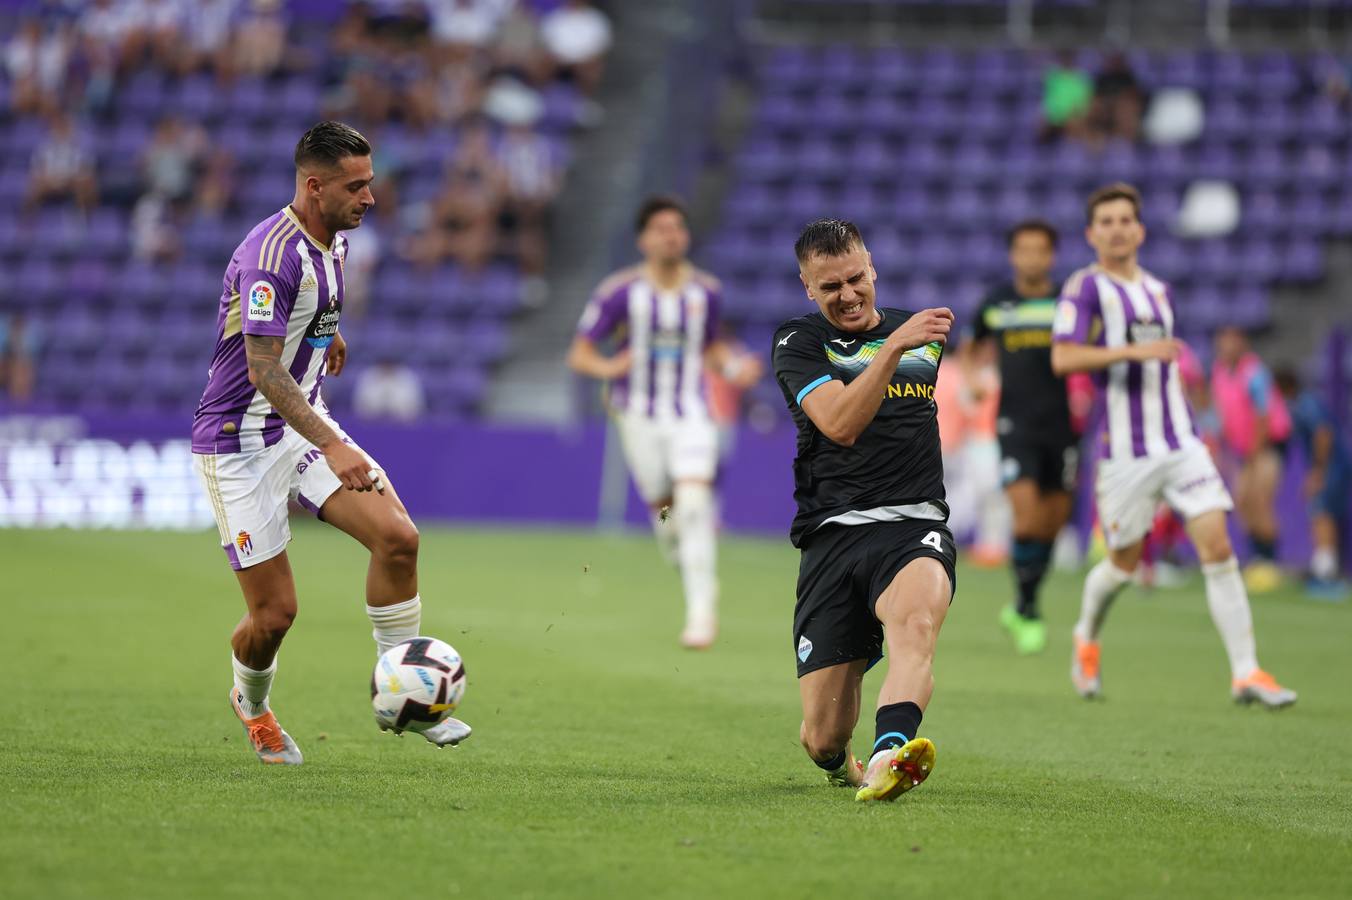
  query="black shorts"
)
[
  {"x": 843, "y": 571},
  {"x": 1052, "y": 462}
]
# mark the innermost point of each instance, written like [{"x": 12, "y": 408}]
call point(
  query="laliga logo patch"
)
[
  {"x": 262, "y": 302},
  {"x": 804, "y": 648}
]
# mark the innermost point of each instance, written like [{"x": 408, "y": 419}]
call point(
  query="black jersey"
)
[
  {"x": 1031, "y": 395},
  {"x": 895, "y": 469}
]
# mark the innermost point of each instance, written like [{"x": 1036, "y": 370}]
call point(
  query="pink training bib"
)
[{"x": 1232, "y": 394}]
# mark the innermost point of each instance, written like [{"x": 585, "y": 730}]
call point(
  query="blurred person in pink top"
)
[
  {"x": 1255, "y": 426},
  {"x": 967, "y": 395}
]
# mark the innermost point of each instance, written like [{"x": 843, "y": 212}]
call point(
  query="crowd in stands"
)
[{"x": 176, "y": 119}]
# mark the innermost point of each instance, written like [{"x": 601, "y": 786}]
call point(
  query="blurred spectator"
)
[
  {"x": 1067, "y": 93},
  {"x": 532, "y": 179},
  {"x": 388, "y": 390},
  {"x": 152, "y": 32},
  {"x": 1328, "y": 481},
  {"x": 103, "y": 27},
  {"x": 1118, "y": 101},
  {"x": 520, "y": 48},
  {"x": 967, "y": 395},
  {"x": 215, "y": 187},
  {"x": 207, "y": 33},
  {"x": 260, "y": 39},
  {"x": 62, "y": 169},
  {"x": 447, "y": 93},
  {"x": 1255, "y": 426},
  {"x": 736, "y": 371},
  {"x": 364, "y": 247},
  {"x": 577, "y": 35},
  {"x": 19, "y": 343},
  {"x": 472, "y": 23},
  {"x": 173, "y": 158},
  {"x": 465, "y": 216},
  {"x": 154, "y": 233},
  {"x": 36, "y": 64}
]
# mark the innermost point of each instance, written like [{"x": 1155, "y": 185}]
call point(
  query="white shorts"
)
[
  {"x": 661, "y": 452},
  {"x": 1129, "y": 491},
  {"x": 249, "y": 492}
]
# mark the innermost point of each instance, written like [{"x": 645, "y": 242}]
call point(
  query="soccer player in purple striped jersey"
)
[
  {"x": 1116, "y": 320},
  {"x": 262, "y": 435},
  {"x": 664, "y": 314}
]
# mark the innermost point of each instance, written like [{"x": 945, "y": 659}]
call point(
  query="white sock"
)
[
  {"x": 254, "y": 684},
  {"x": 1229, "y": 604},
  {"x": 1101, "y": 587},
  {"x": 694, "y": 514},
  {"x": 396, "y": 622},
  {"x": 668, "y": 535},
  {"x": 1324, "y": 564}
]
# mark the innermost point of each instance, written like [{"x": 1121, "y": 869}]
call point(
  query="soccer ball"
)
[{"x": 417, "y": 684}]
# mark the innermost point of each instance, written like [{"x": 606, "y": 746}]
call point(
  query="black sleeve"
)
[{"x": 800, "y": 361}]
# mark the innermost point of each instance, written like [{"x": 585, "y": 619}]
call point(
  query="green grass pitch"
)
[{"x": 608, "y": 762}]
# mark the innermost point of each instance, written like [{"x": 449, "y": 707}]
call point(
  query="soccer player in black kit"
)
[
  {"x": 1038, "y": 448},
  {"x": 878, "y": 559}
]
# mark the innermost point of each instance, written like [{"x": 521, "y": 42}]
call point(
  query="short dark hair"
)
[
  {"x": 827, "y": 237},
  {"x": 1041, "y": 225},
  {"x": 1118, "y": 190},
  {"x": 656, "y": 203},
  {"x": 328, "y": 143}
]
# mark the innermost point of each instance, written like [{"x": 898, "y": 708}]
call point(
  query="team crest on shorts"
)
[
  {"x": 804, "y": 648},
  {"x": 244, "y": 542}
]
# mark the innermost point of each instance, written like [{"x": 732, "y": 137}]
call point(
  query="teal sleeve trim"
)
[{"x": 810, "y": 388}]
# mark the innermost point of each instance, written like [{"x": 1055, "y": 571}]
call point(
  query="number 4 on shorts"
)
[{"x": 932, "y": 540}]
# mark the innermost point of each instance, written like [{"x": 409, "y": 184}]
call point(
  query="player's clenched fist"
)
[{"x": 924, "y": 327}]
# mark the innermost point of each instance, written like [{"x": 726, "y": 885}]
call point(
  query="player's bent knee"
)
[
  {"x": 399, "y": 540},
  {"x": 1215, "y": 548},
  {"x": 917, "y": 631}
]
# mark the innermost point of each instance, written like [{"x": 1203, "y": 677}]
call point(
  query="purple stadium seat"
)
[
  {"x": 1302, "y": 262},
  {"x": 893, "y": 67},
  {"x": 197, "y": 94}
]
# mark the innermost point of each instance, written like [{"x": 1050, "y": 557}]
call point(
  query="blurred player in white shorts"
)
[
  {"x": 1117, "y": 320},
  {"x": 664, "y": 315}
]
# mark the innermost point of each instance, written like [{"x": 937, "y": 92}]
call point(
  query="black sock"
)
[
  {"x": 897, "y": 724},
  {"x": 1029, "y": 560},
  {"x": 1263, "y": 549},
  {"x": 833, "y": 763}
]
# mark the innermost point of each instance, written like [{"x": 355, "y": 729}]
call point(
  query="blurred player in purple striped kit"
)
[
  {"x": 664, "y": 315},
  {"x": 262, "y": 435},
  {"x": 1116, "y": 320}
]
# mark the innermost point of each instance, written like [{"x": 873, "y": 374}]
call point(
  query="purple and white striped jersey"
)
[
  {"x": 667, "y": 333},
  {"x": 1147, "y": 413},
  {"x": 280, "y": 282}
]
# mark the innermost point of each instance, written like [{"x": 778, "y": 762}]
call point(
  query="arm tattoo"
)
[{"x": 274, "y": 382}]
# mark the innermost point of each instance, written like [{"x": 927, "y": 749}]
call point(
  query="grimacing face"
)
[
  {"x": 666, "y": 238},
  {"x": 1031, "y": 255},
  {"x": 842, "y": 287},
  {"x": 343, "y": 192},
  {"x": 1115, "y": 232}
]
